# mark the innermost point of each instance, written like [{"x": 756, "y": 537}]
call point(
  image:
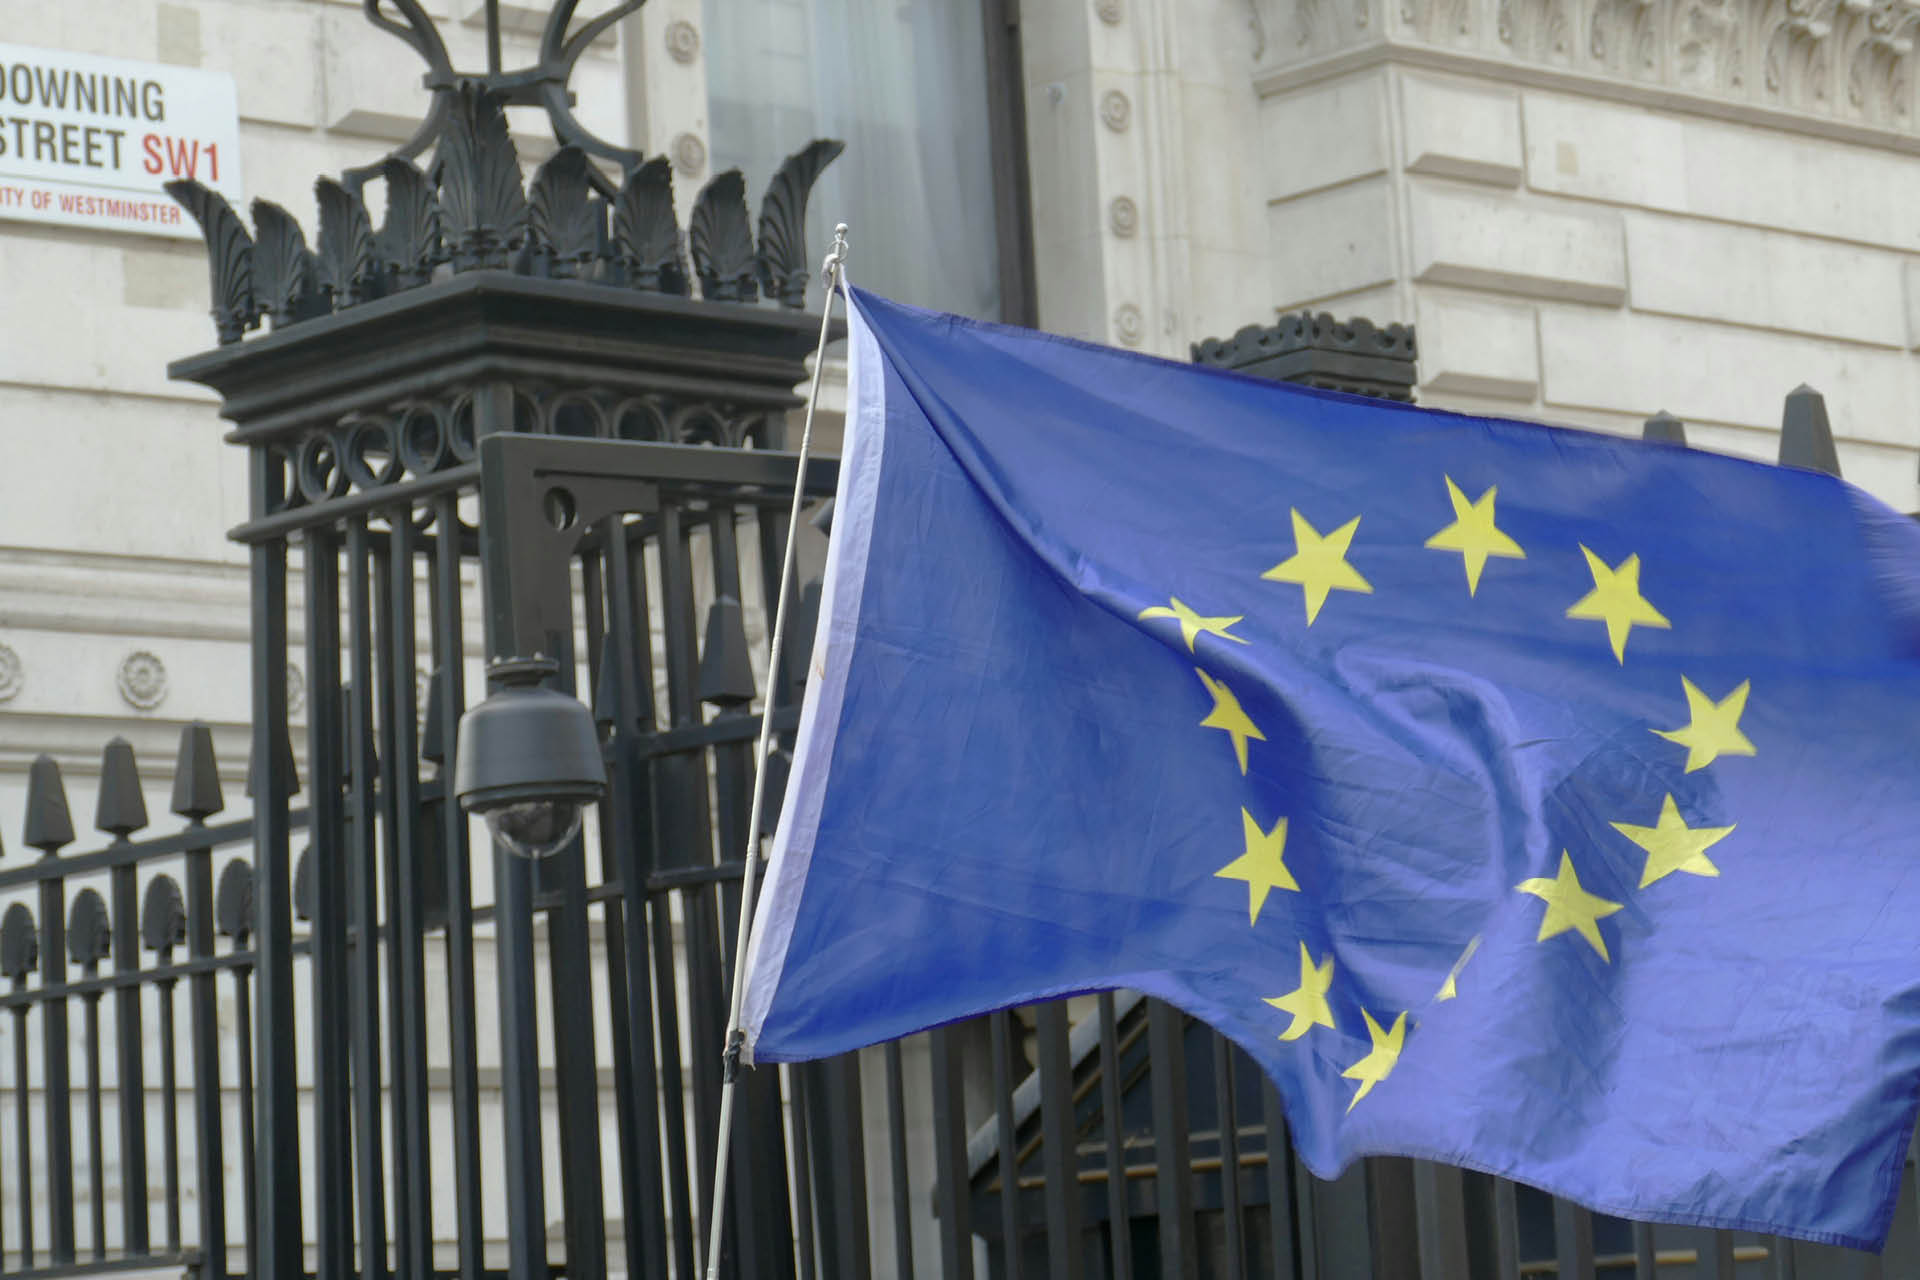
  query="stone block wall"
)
[{"x": 1588, "y": 252}]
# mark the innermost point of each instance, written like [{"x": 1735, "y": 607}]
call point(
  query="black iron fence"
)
[{"x": 397, "y": 1058}]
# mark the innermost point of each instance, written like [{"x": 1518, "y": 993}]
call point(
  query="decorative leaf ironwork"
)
[
  {"x": 408, "y": 244},
  {"x": 89, "y": 935},
  {"x": 345, "y": 245},
  {"x": 163, "y": 915},
  {"x": 285, "y": 275},
  {"x": 565, "y": 220},
  {"x": 484, "y": 208},
  {"x": 722, "y": 241},
  {"x": 229, "y": 257},
  {"x": 19, "y": 943},
  {"x": 233, "y": 902},
  {"x": 783, "y": 221},
  {"x": 646, "y": 234}
]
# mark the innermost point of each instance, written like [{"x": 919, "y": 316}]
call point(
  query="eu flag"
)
[{"x": 1525, "y": 799}]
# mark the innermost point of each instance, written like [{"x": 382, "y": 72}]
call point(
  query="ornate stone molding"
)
[
  {"x": 13, "y": 674},
  {"x": 1846, "y": 60},
  {"x": 143, "y": 680}
]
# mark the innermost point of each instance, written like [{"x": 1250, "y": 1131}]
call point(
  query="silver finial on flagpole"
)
[{"x": 830, "y": 263}]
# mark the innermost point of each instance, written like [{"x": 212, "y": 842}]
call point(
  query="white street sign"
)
[{"x": 91, "y": 142}]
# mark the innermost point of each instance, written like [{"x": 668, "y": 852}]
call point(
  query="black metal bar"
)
[
  {"x": 330, "y": 974},
  {"x": 1166, "y": 1048},
  {"x": 1007, "y": 145},
  {"x": 1229, "y": 1128},
  {"x": 672, "y": 1093},
  {"x": 1058, "y": 1155},
  {"x": 1280, "y": 1185},
  {"x": 363, "y": 877},
  {"x": 1007, "y": 1154},
  {"x": 1119, "y": 1228},
  {"x": 462, "y": 1033},
  {"x": 1785, "y": 1264},
  {"x": 129, "y": 1042},
  {"x": 204, "y": 1054},
  {"x": 249, "y": 1148},
  {"x": 1645, "y": 1266},
  {"x": 801, "y": 1157},
  {"x": 897, "y": 1154},
  {"x": 55, "y": 1067},
  {"x": 406, "y": 961},
  {"x": 170, "y": 1113},
  {"x": 576, "y": 1077},
  {"x": 96, "y": 1153},
  {"x": 1506, "y": 1230},
  {"x": 952, "y": 1195},
  {"x": 23, "y": 1131},
  {"x": 1572, "y": 1240},
  {"x": 1439, "y": 1200},
  {"x": 277, "y": 1233},
  {"x": 625, "y": 825}
]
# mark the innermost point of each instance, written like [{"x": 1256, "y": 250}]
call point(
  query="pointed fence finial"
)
[
  {"x": 726, "y": 673},
  {"x": 1806, "y": 437},
  {"x": 433, "y": 739},
  {"x": 1665, "y": 427},
  {"x": 196, "y": 775},
  {"x": 303, "y": 885},
  {"x": 49, "y": 822},
  {"x": 89, "y": 935},
  {"x": 19, "y": 943},
  {"x": 163, "y": 916},
  {"x": 122, "y": 809},
  {"x": 289, "y": 771},
  {"x": 606, "y": 689},
  {"x": 233, "y": 902}
]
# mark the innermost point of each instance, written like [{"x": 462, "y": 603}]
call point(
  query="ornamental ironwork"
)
[{"x": 593, "y": 211}]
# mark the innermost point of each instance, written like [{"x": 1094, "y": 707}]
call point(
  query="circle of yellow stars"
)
[{"x": 1319, "y": 566}]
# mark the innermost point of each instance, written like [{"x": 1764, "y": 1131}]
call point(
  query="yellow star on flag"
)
[
  {"x": 1616, "y": 601},
  {"x": 1672, "y": 845},
  {"x": 1569, "y": 906},
  {"x": 1319, "y": 564},
  {"x": 1474, "y": 535},
  {"x": 1380, "y": 1060},
  {"x": 1308, "y": 1001},
  {"x": 1192, "y": 624},
  {"x": 1227, "y": 716},
  {"x": 1714, "y": 727},
  {"x": 1262, "y": 865}
]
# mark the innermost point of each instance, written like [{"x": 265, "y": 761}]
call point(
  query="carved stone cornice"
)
[{"x": 1849, "y": 61}]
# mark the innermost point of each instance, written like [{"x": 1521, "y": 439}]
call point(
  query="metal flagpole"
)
[{"x": 831, "y": 272}]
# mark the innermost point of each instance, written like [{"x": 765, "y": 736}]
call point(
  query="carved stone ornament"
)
[
  {"x": 1110, "y": 11},
  {"x": 683, "y": 40},
  {"x": 296, "y": 690},
  {"x": 689, "y": 154},
  {"x": 1848, "y": 60},
  {"x": 1115, "y": 110},
  {"x": 1123, "y": 216},
  {"x": 143, "y": 680},
  {"x": 1128, "y": 324},
  {"x": 13, "y": 674}
]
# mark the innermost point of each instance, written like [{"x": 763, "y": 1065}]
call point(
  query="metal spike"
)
[
  {"x": 49, "y": 822},
  {"x": 303, "y": 885},
  {"x": 433, "y": 739},
  {"x": 89, "y": 934},
  {"x": 822, "y": 518},
  {"x": 233, "y": 901},
  {"x": 196, "y": 775},
  {"x": 346, "y": 738},
  {"x": 122, "y": 809},
  {"x": 726, "y": 675},
  {"x": 19, "y": 942},
  {"x": 283, "y": 744},
  {"x": 163, "y": 916},
  {"x": 1664, "y": 426},
  {"x": 606, "y": 691},
  {"x": 1806, "y": 437},
  {"x": 800, "y": 629}
]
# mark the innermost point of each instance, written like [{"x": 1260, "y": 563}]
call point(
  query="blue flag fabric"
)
[{"x": 1526, "y": 799}]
